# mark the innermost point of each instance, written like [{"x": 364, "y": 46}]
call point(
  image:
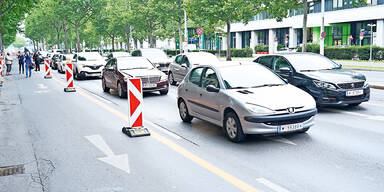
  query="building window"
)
[
  {"x": 337, "y": 35},
  {"x": 281, "y": 35},
  {"x": 233, "y": 40},
  {"x": 380, "y": 2},
  {"x": 245, "y": 39},
  {"x": 262, "y": 37}
]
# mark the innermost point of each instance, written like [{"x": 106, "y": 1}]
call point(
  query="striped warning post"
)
[
  {"x": 47, "y": 69},
  {"x": 135, "y": 109},
  {"x": 69, "y": 77},
  {"x": 1, "y": 72}
]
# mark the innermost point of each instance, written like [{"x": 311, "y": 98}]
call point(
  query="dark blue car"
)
[{"x": 325, "y": 80}]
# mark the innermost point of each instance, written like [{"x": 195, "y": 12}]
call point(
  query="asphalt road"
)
[{"x": 62, "y": 140}]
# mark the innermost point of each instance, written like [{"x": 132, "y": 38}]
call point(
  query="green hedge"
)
[
  {"x": 246, "y": 52},
  {"x": 348, "y": 53},
  {"x": 261, "y": 48}
]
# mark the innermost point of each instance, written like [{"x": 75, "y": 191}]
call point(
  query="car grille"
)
[
  {"x": 351, "y": 85},
  {"x": 289, "y": 121},
  {"x": 150, "y": 79},
  {"x": 93, "y": 67}
]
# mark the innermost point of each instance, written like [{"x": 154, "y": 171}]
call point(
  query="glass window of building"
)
[
  {"x": 233, "y": 40},
  {"x": 246, "y": 39}
]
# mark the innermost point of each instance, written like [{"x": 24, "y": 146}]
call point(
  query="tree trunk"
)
[
  {"x": 127, "y": 34},
  {"x": 113, "y": 43},
  {"x": 77, "y": 38},
  {"x": 180, "y": 38},
  {"x": 1, "y": 41},
  {"x": 58, "y": 38},
  {"x": 229, "y": 40},
  {"x": 135, "y": 43},
  {"x": 65, "y": 36},
  {"x": 305, "y": 17}
]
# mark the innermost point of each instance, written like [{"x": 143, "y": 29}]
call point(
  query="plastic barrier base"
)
[
  {"x": 136, "y": 132},
  {"x": 69, "y": 89},
  {"x": 47, "y": 77}
]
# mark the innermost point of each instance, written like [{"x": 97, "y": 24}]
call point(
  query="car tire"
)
[
  {"x": 120, "y": 91},
  {"x": 233, "y": 128},
  {"x": 76, "y": 75},
  {"x": 171, "y": 79},
  {"x": 164, "y": 92},
  {"x": 354, "y": 104},
  {"x": 183, "y": 112},
  {"x": 104, "y": 86}
]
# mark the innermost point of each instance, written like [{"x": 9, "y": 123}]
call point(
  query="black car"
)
[{"x": 324, "y": 79}]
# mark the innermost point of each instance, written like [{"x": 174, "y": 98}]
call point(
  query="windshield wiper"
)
[
  {"x": 309, "y": 70},
  {"x": 267, "y": 85}
]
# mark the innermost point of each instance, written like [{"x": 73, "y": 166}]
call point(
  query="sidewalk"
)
[{"x": 362, "y": 65}]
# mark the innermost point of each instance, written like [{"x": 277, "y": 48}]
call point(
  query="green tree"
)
[{"x": 217, "y": 13}]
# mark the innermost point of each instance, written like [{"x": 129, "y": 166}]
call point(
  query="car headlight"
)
[
  {"x": 366, "y": 84},
  {"x": 164, "y": 78},
  {"x": 258, "y": 109},
  {"x": 324, "y": 85}
]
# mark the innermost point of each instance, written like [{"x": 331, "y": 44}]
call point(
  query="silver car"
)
[
  {"x": 244, "y": 98},
  {"x": 185, "y": 62}
]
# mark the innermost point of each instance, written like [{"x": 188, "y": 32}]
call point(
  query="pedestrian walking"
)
[
  {"x": 36, "y": 61},
  {"x": 8, "y": 62},
  {"x": 28, "y": 65},
  {"x": 21, "y": 62}
]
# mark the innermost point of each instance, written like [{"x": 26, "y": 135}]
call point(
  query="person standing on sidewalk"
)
[
  {"x": 28, "y": 65},
  {"x": 36, "y": 60},
  {"x": 8, "y": 61},
  {"x": 21, "y": 62}
]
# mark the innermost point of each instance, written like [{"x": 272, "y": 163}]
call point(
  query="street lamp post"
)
[
  {"x": 370, "y": 48},
  {"x": 322, "y": 27}
]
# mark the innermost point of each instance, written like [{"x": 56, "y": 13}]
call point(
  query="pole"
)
[
  {"x": 370, "y": 47},
  {"x": 185, "y": 29},
  {"x": 322, "y": 27}
]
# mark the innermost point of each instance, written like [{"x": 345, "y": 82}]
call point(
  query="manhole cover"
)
[{"x": 11, "y": 170}]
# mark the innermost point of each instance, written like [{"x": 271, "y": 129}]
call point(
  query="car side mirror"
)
[
  {"x": 184, "y": 65},
  {"x": 211, "y": 88}
]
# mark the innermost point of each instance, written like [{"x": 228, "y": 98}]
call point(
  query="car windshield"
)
[
  {"x": 128, "y": 63},
  {"x": 154, "y": 54},
  {"x": 311, "y": 62},
  {"x": 90, "y": 57},
  {"x": 203, "y": 59},
  {"x": 120, "y": 54},
  {"x": 249, "y": 76}
]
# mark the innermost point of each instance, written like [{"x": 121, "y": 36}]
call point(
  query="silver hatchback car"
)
[{"x": 244, "y": 98}]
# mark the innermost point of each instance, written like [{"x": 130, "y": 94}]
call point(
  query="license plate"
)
[
  {"x": 290, "y": 127},
  {"x": 354, "y": 92},
  {"x": 149, "y": 85}
]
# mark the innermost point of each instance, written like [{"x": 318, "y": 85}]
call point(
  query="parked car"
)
[
  {"x": 244, "y": 98},
  {"x": 156, "y": 56},
  {"x": 325, "y": 80},
  {"x": 62, "y": 62},
  {"x": 117, "y": 55},
  {"x": 186, "y": 61},
  {"x": 54, "y": 61},
  {"x": 87, "y": 64},
  {"x": 118, "y": 70}
]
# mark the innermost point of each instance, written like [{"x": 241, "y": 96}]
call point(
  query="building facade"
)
[{"x": 345, "y": 24}]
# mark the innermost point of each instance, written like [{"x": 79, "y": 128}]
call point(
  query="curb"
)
[{"x": 381, "y": 87}]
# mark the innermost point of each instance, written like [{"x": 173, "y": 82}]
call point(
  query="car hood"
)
[
  {"x": 92, "y": 63},
  {"x": 159, "y": 60},
  {"x": 335, "y": 75},
  {"x": 276, "y": 97},
  {"x": 141, "y": 72}
]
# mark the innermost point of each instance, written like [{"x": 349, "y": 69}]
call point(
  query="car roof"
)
[
  {"x": 228, "y": 64},
  {"x": 197, "y": 53},
  {"x": 291, "y": 53}
]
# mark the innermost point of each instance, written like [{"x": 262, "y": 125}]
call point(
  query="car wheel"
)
[
  {"x": 164, "y": 92},
  {"x": 183, "y": 111},
  {"x": 171, "y": 79},
  {"x": 105, "y": 88},
  {"x": 233, "y": 128},
  {"x": 354, "y": 104},
  {"x": 76, "y": 75},
  {"x": 120, "y": 91}
]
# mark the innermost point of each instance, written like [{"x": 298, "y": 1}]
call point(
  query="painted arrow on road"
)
[{"x": 118, "y": 161}]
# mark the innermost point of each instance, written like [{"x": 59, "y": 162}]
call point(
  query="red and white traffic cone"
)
[
  {"x": 135, "y": 110},
  {"x": 69, "y": 77},
  {"x": 1, "y": 72},
  {"x": 47, "y": 69}
]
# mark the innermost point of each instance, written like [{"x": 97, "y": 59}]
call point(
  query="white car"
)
[
  {"x": 62, "y": 62},
  {"x": 244, "y": 98},
  {"x": 87, "y": 64}
]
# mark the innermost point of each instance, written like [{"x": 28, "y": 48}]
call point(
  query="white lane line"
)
[
  {"x": 374, "y": 104},
  {"x": 271, "y": 185},
  {"x": 162, "y": 130},
  {"x": 371, "y": 117},
  {"x": 282, "y": 140}
]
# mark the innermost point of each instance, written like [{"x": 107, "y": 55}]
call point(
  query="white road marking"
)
[
  {"x": 271, "y": 185},
  {"x": 41, "y": 91},
  {"x": 118, "y": 161},
  {"x": 162, "y": 129},
  {"x": 42, "y": 86},
  {"x": 374, "y": 104},
  {"x": 371, "y": 117},
  {"x": 282, "y": 140}
]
